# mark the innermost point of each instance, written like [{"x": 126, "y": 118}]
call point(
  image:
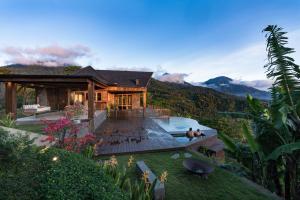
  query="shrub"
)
[
  {"x": 14, "y": 149},
  {"x": 28, "y": 172},
  {"x": 8, "y": 121},
  {"x": 18, "y": 165},
  {"x": 67, "y": 175}
]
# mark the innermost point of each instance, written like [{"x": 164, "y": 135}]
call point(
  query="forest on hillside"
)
[{"x": 203, "y": 104}]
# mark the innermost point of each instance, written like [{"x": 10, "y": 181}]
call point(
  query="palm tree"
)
[{"x": 275, "y": 141}]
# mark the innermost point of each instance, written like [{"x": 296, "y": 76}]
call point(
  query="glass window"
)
[{"x": 98, "y": 98}]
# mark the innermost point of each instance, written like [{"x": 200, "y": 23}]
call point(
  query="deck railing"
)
[{"x": 148, "y": 112}]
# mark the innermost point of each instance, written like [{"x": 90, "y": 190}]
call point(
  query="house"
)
[{"x": 97, "y": 89}]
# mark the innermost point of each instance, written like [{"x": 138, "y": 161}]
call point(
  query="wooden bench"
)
[{"x": 159, "y": 188}]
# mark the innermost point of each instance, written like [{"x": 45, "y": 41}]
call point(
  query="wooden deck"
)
[
  {"x": 133, "y": 136},
  {"x": 136, "y": 135}
]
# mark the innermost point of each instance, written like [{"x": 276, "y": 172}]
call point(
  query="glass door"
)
[{"x": 123, "y": 101}]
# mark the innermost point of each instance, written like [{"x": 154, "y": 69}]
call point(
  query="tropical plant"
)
[
  {"x": 275, "y": 139},
  {"x": 142, "y": 190}
]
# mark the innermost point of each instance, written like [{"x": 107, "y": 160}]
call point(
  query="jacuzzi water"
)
[
  {"x": 177, "y": 125},
  {"x": 183, "y": 139}
]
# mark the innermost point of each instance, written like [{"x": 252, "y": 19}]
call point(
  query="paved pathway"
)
[{"x": 38, "y": 137}]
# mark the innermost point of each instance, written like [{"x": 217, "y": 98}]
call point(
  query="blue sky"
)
[{"x": 202, "y": 39}]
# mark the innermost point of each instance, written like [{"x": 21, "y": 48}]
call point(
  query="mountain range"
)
[{"x": 226, "y": 85}]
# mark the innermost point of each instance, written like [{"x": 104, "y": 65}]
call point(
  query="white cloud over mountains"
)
[
  {"x": 173, "y": 78},
  {"x": 258, "y": 84},
  {"x": 53, "y": 55}
]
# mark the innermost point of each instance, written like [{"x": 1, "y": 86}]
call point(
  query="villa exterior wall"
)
[
  {"x": 57, "y": 98},
  {"x": 42, "y": 98},
  {"x": 136, "y": 98}
]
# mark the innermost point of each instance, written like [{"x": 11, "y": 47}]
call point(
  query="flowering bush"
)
[
  {"x": 142, "y": 190},
  {"x": 75, "y": 110},
  {"x": 65, "y": 134}
]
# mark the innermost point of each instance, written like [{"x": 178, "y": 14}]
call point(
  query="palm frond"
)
[
  {"x": 231, "y": 146},
  {"x": 280, "y": 66},
  {"x": 283, "y": 149}
]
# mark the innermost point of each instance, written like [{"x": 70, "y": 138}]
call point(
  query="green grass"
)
[
  {"x": 36, "y": 128},
  {"x": 181, "y": 185}
]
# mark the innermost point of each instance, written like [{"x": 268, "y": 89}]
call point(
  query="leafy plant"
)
[
  {"x": 275, "y": 140},
  {"x": 142, "y": 190},
  {"x": 8, "y": 121}
]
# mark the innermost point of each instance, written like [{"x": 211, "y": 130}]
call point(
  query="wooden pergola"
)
[{"x": 54, "y": 82}]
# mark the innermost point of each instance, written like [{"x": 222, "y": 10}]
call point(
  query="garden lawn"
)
[
  {"x": 181, "y": 185},
  {"x": 35, "y": 128}
]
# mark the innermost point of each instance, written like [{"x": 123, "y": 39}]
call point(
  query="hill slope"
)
[
  {"x": 192, "y": 100},
  {"x": 34, "y": 69}
]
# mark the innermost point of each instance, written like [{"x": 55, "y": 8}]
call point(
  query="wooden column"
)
[
  {"x": 91, "y": 108},
  {"x": 145, "y": 99},
  {"x": 11, "y": 99},
  {"x": 68, "y": 97},
  {"x": 37, "y": 100},
  {"x": 144, "y": 102}
]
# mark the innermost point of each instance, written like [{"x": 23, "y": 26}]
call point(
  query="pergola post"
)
[
  {"x": 37, "y": 100},
  {"x": 91, "y": 109},
  {"x": 144, "y": 102},
  {"x": 11, "y": 99},
  {"x": 68, "y": 97}
]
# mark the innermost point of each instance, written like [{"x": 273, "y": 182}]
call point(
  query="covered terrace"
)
[{"x": 52, "y": 90}]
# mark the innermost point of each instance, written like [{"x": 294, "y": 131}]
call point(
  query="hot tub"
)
[{"x": 179, "y": 125}]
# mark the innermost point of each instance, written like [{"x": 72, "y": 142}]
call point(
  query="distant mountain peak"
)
[
  {"x": 227, "y": 85},
  {"x": 220, "y": 80}
]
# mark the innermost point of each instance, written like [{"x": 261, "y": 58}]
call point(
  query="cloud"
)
[
  {"x": 143, "y": 69},
  {"x": 246, "y": 62},
  {"x": 258, "y": 84},
  {"x": 53, "y": 55},
  {"x": 173, "y": 78}
]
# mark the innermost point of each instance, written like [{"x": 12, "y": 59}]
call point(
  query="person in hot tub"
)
[
  {"x": 190, "y": 134},
  {"x": 198, "y": 133}
]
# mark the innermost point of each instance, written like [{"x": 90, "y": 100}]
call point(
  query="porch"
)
[
  {"x": 58, "y": 91},
  {"x": 52, "y": 91}
]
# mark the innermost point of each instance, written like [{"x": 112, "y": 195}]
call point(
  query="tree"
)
[
  {"x": 71, "y": 69},
  {"x": 275, "y": 137},
  {"x": 4, "y": 70}
]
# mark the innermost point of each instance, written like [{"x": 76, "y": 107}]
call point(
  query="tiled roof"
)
[{"x": 118, "y": 78}]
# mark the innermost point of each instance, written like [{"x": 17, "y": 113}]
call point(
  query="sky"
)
[{"x": 191, "y": 39}]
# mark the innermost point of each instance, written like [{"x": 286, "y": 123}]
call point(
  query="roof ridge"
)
[
  {"x": 89, "y": 70},
  {"x": 123, "y": 70}
]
